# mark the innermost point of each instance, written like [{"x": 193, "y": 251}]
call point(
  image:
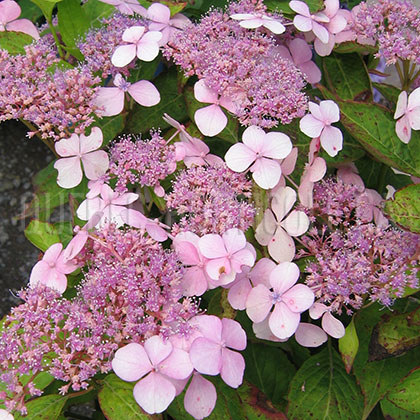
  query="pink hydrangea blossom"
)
[
  {"x": 261, "y": 150},
  {"x": 253, "y": 21},
  {"x": 212, "y": 354},
  {"x": 78, "y": 150},
  {"x": 127, "y": 7},
  {"x": 227, "y": 254},
  {"x": 144, "y": 45},
  {"x": 299, "y": 53},
  {"x": 408, "y": 114},
  {"x": 276, "y": 230},
  {"x": 52, "y": 269},
  {"x": 211, "y": 120},
  {"x": 9, "y": 13},
  {"x": 152, "y": 365},
  {"x": 310, "y": 335},
  {"x": 312, "y": 173},
  {"x": 109, "y": 202},
  {"x": 110, "y": 100},
  {"x": 331, "y": 325},
  {"x": 289, "y": 300},
  {"x": 318, "y": 124}
]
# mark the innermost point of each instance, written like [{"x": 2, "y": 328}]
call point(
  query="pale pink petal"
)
[
  {"x": 210, "y": 120},
  {"x": 111, "y": 99},
  {"x": 283, "y": 201},
  {"x": 289, "y": 163},
  {"x": 233, "y": 334},
  {"x": 281, "y": 247},
  {"x": 302, "y": 23},
  {"x": 259, "y": 303},
  {"x": 76, "y": 245},
  {"x": 283, "y": 322},
  {"x": 414, "y": 99},
  {"x": 310, "y": 335},
  {"x": 337, "y": 24},
  {"x": 284, "y": 276},
  {"x": 284, "y": 52},
  {"x": 403, "y": 129},
  {"x": 414, "y": 118},
  {"x": 194, "y": 282},
  {"x": 320, "y": 32},
  {"x": 23, "y": 25},
  {"x": 238, "y": 294},
  {"x": 300, "y": 50},
  {"x": 159, "y": 13},
  {"x": 274, "y": 26},
  {"x": 148, "y": 51},
  {"x": 123, "y": 55},
  {"x": 156, "y": 232},
  {"x": 311, "y": 71},
  {"x": 206, "y": 356},
  {"x": 234, "y": 240},
  {"x": 244, "y": 257},
  {"x": 217, "y": 267},
  {"x": 40, "y": 272},
  {"x": 200, "y": 398},
  {"x": 69, "y": 172},
  {"x": 154, "y": 393},
  {"x": 254, "y": 138},
  {"x": 242, "y": 16},
  {"x": 133, "y": 34},
  {"x": 305, "y": 192},
  {"x": 179, "y": 21},
  {"x": 210, "y": 327},
  {"x": 187, "y": 251},
  {"x": 57, "y": 281},
  {"x": 131, "y": 362},
  {"x": 331, "y": 7},
  {"x": 317, "y": 310},
  {"x": 233, "y": 367},
  {"x": 228, "y": 103},
  {"x": 177, "y": 365},
  {"x": 317, "y": 170},
  {"x": 276, "y": 145},
  {"x": 9, "y": 10},
  {"x": 332, "y": 140},
  {"x": 324, "y": 49},
  {"x": 251, "y": 23},
  {"x": 68, "y": 147},
  {"x": 260, "y": 274},
  {"x": 300, "y": 7},
  {"x": 315, "y": 110},
  {"x": 95, "y": 164},
  {"x": 91, "y": 142},
  {"x": 125, "y": 199},
  {"x": 157, "y": 349},
  {"x": 332, "y": 326},
  {"x": 266, "y": 229},
  {"x": 330, "y": 111},
  {"x": 212, "y": 246},
  {"x": 311, "y": 126},
  {"x": 299, "y": 298},
  {"x": 266, "y": 173},
  {"x": 204, "y": 94},
  {"x": 401, "y": 105},
  {"x": 89, "y": 207},
  {"x": 296, "y": 224},
  {"x": 144, "y": 93},
  {"x": 239, "y": 157},
  {"x": 262, "y": 331}
]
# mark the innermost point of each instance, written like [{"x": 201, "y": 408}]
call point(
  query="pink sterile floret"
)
[
  {"x": 312, "y": 173},
  {"x": 318, "y": 124},
  {"x": 9, "y": 13},
  {"x": 161, "y": 362},
  {"x": 310, "y": 335},
  {"x": 212, "y": 354},
  {"x": 80, "y": 149},
  {"x": 110, "y": 100},
  {"x": 227, "y": 254},
  {"x": 143, "y": 45},
  {"x": 408, "y": 112},
  {"x": 253, "y": 21},
  {"x": 276, "y": 229},
  {"x": 289, "y": 300},
  {"x": 110, "y": 203},
  {"x": 51, "y": 270},
  {"x": 127, "y": 7},
  {"x": 260, "y": 150},
  {"x": 211, "y": 120},
  {"x": 331, "y": 325}
]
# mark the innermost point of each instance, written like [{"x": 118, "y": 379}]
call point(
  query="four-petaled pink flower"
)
[
  {"x": 289, "y": 300},
  {"x": 253, "y": 21},
  {"x": 143, "y": 45},
  {"x": 161, "y": 362},
  {"x": 110, "y": 203},
  {"x": 211, "y": 120},
  {"x": 52, "y": 269},
  {"x": 276, "y": 229},
  {"x": 127, "y": 7},
  {"x": 408, "y": 112},
  {"x": 78, "y": 150},
  {"x": 331, "y": 325},
  {"x": 318, "y": 124},
  {"x": 260, "y": 149},
  {"x": 9, "y": 13},
  {"x": 111, "y": 99},
  {"x": 212, "y": 354},
  {"x": 226, "y": 254},
  {"x": 305, "y": 21}
]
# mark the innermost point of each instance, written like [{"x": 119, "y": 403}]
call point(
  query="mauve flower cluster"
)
[
  {"x": 56, "y": 102},
  {"x": 242, "y": 65},
  {"x": 100, "y": 43},
  {"x": 355, "y": 260},
  {"x": 394, "y": 24},
  {"x": 131, "y": 291},
  {"x": 143, "y": 162},
  {"x": 208, "y": 200}
]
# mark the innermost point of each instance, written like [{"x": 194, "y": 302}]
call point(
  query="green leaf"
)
[
  {"x": 47, "y": 407},
  {"x": 374, "y": 127},
  {"x": 321, "y": 389},
  {"x": 29, "y": 10},
  {"x": 65, "y": 232},
  {"x": 47, "y": 7},
  {"x": 117, "y": 401},
  {"x": 110, "y": 126},
  {"x": 141, "y": 119},
  {"x": 406, "y": 394},
  {"x": 389, "y": 92},
  {"x": 219, "y": 304},
  {"x": 396, "y": 334},
  {"x": 283, "y": 5},
  {"x": 41, "y": 234},
  {"x": 14, "y": 42},
  {"x": 349, "y": 345},
  {"x": 73, "y": 22},
  {"x": 95, "y": 10},
  {"x": 392, "y": 412},
  {"x": 404, "y": 208},
  {"x": 269, "y": 369},
  {"x": 347, "y": 76},
  {"x": 353, "y": 47}
]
